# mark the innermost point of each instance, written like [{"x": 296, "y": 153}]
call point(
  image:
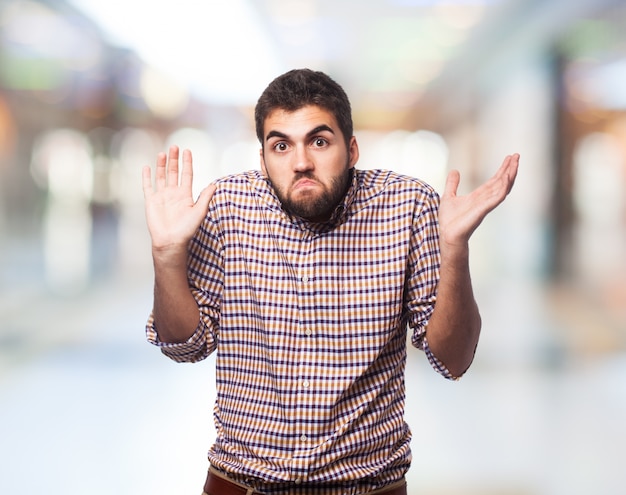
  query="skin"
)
[
  {"x": 306, "y": 158},
  {"x": 454, "y": 327},
  {"x": 307, "y": 161}
]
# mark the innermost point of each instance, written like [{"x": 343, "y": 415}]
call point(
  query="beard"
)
[{"x": 318, "y": 205}]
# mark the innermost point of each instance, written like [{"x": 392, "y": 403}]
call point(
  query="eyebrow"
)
[{"x": 312, "y": 132}]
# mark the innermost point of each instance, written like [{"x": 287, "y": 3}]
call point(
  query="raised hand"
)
[
  {"x": 172, "y": 215},
  {"x": 459, "y": 216}
]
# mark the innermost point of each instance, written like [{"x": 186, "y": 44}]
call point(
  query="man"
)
[{"x": 304, "y": 276}]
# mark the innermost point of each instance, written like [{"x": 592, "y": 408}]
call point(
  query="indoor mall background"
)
[{"x": 91, "y": 91}]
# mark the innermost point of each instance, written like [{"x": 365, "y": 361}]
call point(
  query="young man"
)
[{"x": 304, "y": 276}]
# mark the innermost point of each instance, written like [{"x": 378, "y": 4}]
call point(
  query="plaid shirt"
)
[{"x": 309, "y": 322}]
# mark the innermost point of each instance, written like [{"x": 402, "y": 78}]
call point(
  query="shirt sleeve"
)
[
  {"x": 423, "y": 275},
  {"x": 192, "y": 350},
  {"x": 206, "y": 279},
  {"x": 435, "y": 363}
]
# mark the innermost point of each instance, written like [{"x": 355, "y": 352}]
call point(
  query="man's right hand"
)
[{"x": 172, "y": 215}]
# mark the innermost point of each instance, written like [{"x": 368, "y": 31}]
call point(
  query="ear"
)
[
  {"x": 353, "y": 152},
  {"x": 262, "y": 162}
]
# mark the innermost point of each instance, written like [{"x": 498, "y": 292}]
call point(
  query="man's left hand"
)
[{"x": 459, "y": 216}]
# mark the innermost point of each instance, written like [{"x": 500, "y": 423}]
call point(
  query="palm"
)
[
  {"x": 459, "y": 216},
  {"x": 171, "y": 213}
]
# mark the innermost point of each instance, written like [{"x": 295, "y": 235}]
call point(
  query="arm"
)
[
  {"x": 454, "y": 326},
  {"x": 173, "y": 218}
]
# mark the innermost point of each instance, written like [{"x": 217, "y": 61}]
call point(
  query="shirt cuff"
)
[
  {"x": 437, "y": 365},
  {"x": 190, "y": 351}
]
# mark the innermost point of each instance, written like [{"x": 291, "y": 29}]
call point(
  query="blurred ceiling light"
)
[
  {"x": 462, "y": 15},
  {"x": 605, "y": 85},
  {"x": 422, "y": 153},
  {"x": 597, "y": 85},
  {"x": 599, "y": 179},
  {"x": 292, "y": 13},
  {"x": 217, "y": 49},
  {"x": 61, "y": 163},
  {"x": 33, "y": 30},
  {"x": 425, "y": 155},
  {"x": 165, "y": 97},
  {"x": 131, "y": 149}
]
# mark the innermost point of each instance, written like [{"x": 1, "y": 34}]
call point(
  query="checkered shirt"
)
[{"x": 309, "y": 321}]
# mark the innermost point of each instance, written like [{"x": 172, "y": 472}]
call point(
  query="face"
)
[{"x": 307, "y": 161}]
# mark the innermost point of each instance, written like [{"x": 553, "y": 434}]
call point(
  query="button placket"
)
[{"x": 304, "y": 433}]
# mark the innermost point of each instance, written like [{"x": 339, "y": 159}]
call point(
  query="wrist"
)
[
  {"x": 173, "y": 256},
  {"x": 454, "y": 250}
]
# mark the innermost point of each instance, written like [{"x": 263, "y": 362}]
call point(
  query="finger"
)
[
  {"x": 502, "y": 171},
  {"x": 499, "y": 186},
  {"x": 172, "y": 166},
  {"x": 508, "y": 171},
  {"x": 146, "y": 181},
  {"x": 512, "y": 171},
  {"x": 160, "y": 171},
  {"x": 510, "y": 163},
  {"x": 187, "y": 173},
  {"x": 452, "y": 183}
]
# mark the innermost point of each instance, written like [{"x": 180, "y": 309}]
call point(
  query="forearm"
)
[
  {"x": 175, "y": 311},
  {"x": 454, "y": 327}
]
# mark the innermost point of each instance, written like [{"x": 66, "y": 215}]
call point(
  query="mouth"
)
[{"x": 304, "y": 184}]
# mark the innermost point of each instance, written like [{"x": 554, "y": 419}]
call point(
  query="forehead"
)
[{"x": 300, "y": 121}]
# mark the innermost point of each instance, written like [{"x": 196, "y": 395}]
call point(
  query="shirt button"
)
[
  {"x": 308, "y": 332},
  {"x": 305, "y": 279},
  {"x": 306, "y": 384},
  {"x": 298, "y": 481},
  {"x": 303, "y": 438}
]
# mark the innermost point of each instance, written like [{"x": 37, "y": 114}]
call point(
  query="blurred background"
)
[{"x": 91, "y": 91}]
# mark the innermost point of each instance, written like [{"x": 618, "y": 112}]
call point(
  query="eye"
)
[
  {"x": 319, "y": 142},
  {"x": 280, "y": 146}
]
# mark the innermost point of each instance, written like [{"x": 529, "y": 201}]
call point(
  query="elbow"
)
[
  {"x": 459, "y": 366},
  {"x": 458, "y": 369},
  {"x": 462, "y": 353}
]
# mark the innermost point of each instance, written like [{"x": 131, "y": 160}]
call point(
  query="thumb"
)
[
  {"x": 205, "y": 196},
  {"x": 452, "y": 183}
]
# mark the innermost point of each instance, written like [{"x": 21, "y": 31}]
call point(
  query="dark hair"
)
[{"x": 298, "y": 88}]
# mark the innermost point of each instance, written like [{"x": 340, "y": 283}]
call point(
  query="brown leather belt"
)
[{"x": 218, "y": 483}]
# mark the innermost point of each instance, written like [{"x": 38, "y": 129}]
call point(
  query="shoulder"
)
[
  {"x": 378, "y": 181},
  {"x": 243, "y": 184},
  {"x": 242, "y": 192},
  {"x": 239, "y": 180}
]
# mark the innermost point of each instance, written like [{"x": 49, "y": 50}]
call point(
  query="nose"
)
[{"x": 303, "y": 161}]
